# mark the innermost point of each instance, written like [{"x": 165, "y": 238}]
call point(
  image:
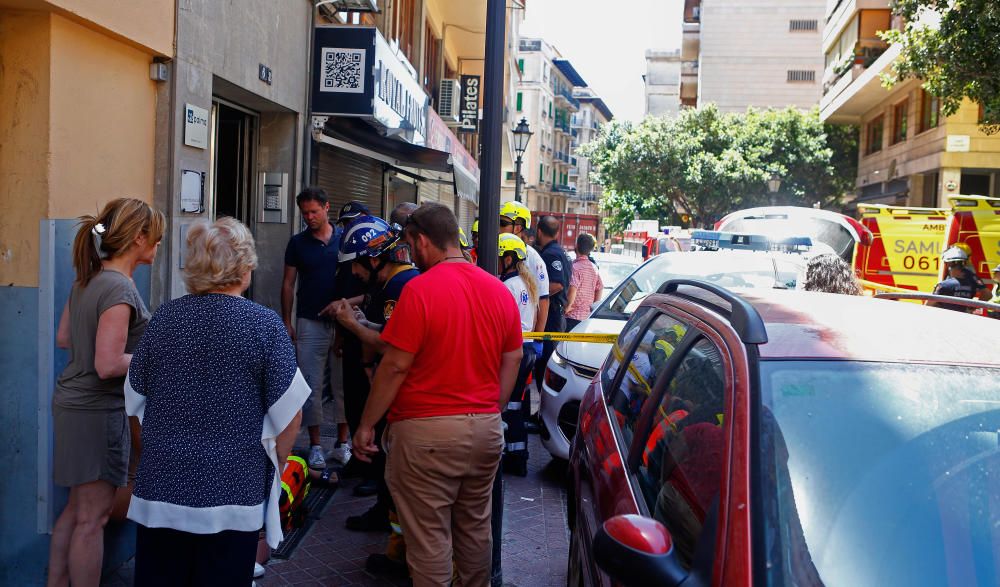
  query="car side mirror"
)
[{"x": 637, "y": 551}]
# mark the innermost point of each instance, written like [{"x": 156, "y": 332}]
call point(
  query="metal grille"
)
[
  {"x": 803, "y": 25},
  {"x": 348, "y": 176},
  {"x": 801, "y": 75}
]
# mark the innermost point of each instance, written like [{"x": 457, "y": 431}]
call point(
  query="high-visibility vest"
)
[{"x": 295, "y": 485}]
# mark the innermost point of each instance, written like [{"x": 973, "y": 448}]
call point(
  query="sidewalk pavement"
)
[{"x": 535, "y": 543}]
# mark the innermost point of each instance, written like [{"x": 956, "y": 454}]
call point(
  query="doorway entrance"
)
[{"x": 235, "y": 156}]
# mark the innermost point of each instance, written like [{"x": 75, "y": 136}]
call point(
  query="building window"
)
[
  {"x": 520, "y": 66},
  {"x": 801, "y": 75},
  {"x": 520, "y": 102},
  {"x": 432, "y": 56},
  {"x": 900, "y": 120},
  {"x": 803, "y": 26},
  {"x": 930, "y": 110},
  {"x": 509, "y": 176},
  {"x": 541, "y": 172},
  {"x": 873, "y": 135},
  {"x": 402, "y": 29}
]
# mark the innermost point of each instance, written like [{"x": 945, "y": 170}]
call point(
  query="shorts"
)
[{"x": 90, "y": 446}]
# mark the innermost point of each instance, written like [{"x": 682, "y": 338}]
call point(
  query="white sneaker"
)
[
  {"x": 258, "y": 570},
  {"x": 342, "y": 453},
  {"x": 316, "y": 459}
]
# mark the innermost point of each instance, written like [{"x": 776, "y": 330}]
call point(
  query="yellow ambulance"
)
[
  {"x": 908, "y": 242},
  {"x": 906, "y": 246}
]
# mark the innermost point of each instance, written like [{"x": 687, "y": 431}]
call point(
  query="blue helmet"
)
[{"x": 367, "y": 236}]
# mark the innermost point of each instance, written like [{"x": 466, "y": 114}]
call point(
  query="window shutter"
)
[{"x": 519, "y": 101}]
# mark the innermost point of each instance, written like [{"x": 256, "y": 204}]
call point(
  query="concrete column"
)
[{"x": 951, "y": 182}]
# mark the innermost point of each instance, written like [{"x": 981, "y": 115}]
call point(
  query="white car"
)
[
  {"x": 574, "y": 364},
  {"x": 838, "y": 233}
]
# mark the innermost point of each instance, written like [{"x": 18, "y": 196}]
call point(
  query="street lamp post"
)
[
  {"x": 773, "y": 185},
  {"x": 522, "y": 134}
]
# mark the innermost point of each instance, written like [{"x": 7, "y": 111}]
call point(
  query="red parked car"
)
[{"x": 789, "y": 438}]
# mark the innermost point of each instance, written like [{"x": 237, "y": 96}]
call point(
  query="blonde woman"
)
[
  {"x": 101, "y": 324},
  {"x": 521, "y": 283},
  {"x": 216, "y": 388}
]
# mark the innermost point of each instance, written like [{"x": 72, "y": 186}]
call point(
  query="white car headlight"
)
[{"x": 558, "y": 359}]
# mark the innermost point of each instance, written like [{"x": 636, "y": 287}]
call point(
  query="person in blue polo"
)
[
  {"x": 560, "y": 271},
  {"x": 311, "y": 260}
]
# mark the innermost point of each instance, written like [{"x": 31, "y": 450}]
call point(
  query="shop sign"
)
[
  {"x": 469, "y": 106},
  {"x": 357, "y": 74},
  {"x": 195, "y": 126},
  {"x": 958, "y": 144},
  {"x": 441, "y": 138}
]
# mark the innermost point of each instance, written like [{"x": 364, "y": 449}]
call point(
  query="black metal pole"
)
[
  {"x": 492, "y": 135},
  {"x": 517, "y": 179}
]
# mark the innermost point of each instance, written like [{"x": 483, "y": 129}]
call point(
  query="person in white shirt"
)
[{"x": 520, "y": 281}]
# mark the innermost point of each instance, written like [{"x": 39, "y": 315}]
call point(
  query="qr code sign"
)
[{"x": 343, "y": 70}]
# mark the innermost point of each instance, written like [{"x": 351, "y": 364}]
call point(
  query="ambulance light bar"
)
[{"x": 715, "y": 240}]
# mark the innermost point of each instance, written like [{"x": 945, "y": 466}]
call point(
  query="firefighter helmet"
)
[
  {"x": 462, "y": 240},
  {"x": 475, "y": 226},
  {"x": 511, "y": 244},
  {"x": 515, "y": 211},
  {"x": 368, "y": 236},
  {"x": 955, "y": 254}
]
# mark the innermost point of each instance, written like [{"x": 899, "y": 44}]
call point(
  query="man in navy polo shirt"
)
[
  {"x": 560, "y": 272},
  {"x": 311, "y": 259}
]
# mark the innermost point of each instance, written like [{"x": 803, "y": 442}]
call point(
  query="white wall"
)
[{"x": 747, "y": 51}]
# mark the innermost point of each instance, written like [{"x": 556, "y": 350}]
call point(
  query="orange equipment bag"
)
[{"x": 295, "y": 485}]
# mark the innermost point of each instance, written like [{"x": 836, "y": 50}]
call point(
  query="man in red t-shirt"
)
[{"x": 454, "y": 348}]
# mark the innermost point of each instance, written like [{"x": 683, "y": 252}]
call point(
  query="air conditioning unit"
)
[{"x": 449, "y": 101}]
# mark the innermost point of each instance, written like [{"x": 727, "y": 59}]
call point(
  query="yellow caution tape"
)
[
  {"x": 571, "y": 337},
  {"x": 872, "y": 286}
]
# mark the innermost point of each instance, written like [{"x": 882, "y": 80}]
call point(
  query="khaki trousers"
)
[{"x": 440, "y": 472}]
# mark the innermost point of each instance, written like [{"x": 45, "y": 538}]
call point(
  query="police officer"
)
[
  {"x": 961, "y": 282},
  {"x": 560, "y": 271},
  {"x": 378, "y": 259}
]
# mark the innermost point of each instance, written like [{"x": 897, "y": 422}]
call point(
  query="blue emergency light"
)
[{"x": 714, "y": 240}]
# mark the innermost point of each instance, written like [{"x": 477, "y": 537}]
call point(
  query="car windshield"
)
[
  {"x": 879, "y": 474},
  {"x": 614, "y": 273},
  {"x": 727, "y": 269},
  {"x": 823, "y": 231}
]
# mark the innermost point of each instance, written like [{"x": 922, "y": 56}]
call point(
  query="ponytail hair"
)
[
  {"x": 528, "y": 277},
  {"x": 111, "y": 233}
]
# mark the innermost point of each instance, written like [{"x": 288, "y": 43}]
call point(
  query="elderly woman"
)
[
  {"x": 216, "y": 388},
  {"x": 831, "y": 274}
]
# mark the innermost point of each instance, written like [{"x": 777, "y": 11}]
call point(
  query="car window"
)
[
  {"x": 622, "y": 345},
  {"x": 644, "y": 366},
  {"x": 680, "y": 471},
  {"x": 725, "y": 269}
]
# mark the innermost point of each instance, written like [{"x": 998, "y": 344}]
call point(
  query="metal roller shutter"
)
[
  {"x": 429, "y": 191},
  {"x": 348, "y": 176}
]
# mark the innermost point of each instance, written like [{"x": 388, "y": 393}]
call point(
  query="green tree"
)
[
  {"x": 953, "y": 46},
  {"x": 707, "y": 163}
]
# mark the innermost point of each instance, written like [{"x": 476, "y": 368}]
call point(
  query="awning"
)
[
  {"x": 360, "y": 137},
  {"x": 466, "y": 184}
]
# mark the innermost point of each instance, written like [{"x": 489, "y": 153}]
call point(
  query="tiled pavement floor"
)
[{"x": 535, "y": 542}]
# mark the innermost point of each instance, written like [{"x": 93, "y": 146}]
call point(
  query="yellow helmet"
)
[
  {"x": 515, "y": 210},
  {"x": 475, "y": 227},
  {"x": 511, "y": 244},
  {"x": 462, "y": 240}
]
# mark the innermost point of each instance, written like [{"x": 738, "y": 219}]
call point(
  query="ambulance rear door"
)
[
  {"x": 975, "y": 221},
  {"x": 906, "y": 246}
]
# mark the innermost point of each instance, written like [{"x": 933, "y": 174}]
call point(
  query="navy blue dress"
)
[{"x": 213, "y": 382}]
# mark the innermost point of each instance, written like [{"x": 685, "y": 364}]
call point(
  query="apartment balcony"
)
[
  {"x": 565, "y": 99},
  {"x": 561, "y": 188},
  {"x": 857, "y": 90},
  {"x": 586, "y": 197},
  {"x": 561, "y": 126},
  {"x": 689, "y": 68}
]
